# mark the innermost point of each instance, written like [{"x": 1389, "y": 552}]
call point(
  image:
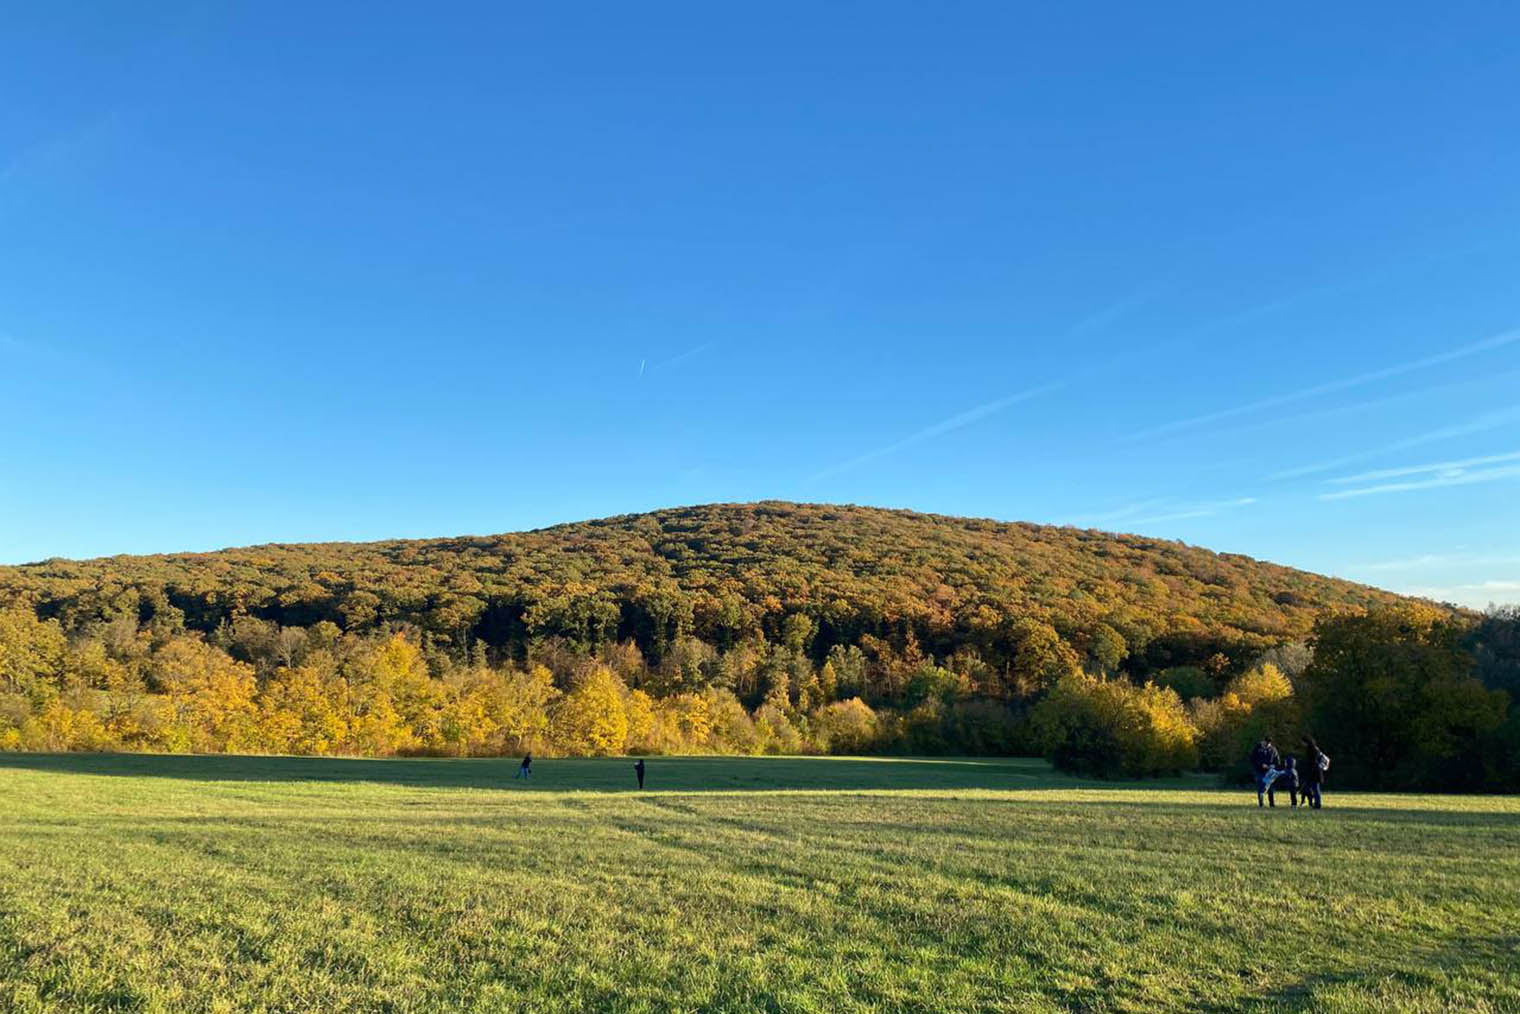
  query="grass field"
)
[{"x": 133, "y": 883}]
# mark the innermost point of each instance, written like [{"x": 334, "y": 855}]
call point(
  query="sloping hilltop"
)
[{"x": 812, "y": 575}]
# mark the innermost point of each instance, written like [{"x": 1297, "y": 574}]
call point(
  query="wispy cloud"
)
[
  {"x": 1202, "y": 510},
  {"x": 1129, "y": 510},
  {"x": 1431, "y": 561},
  {"x": 1331, "y": 387},
  {"x": 1439, "y": 466},
  {"x": 1465, "y": 472},
  {"x": 1477, "y": 594},
  {"x": 938, "y": 429},
  {"x": 1478, "y": 424},
  {"x": 1149, "y": 512}
]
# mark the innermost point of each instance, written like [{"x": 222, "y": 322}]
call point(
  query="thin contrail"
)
[
  {"x": 1096, "y": 321},
  {"x": 1129, "y": 510},
  {"x": 1443, "y": 560},
  {"x": 1432, "y": 476},
  {"x": 682, "y": 357},
  {"x": 1463, "y": 478},
  {"x": 940, "y": 428},
  {"x": 1478, "y": 424},
  {"x": 1170, "y": 510},
  {"x": 1439, "y": 466},
  {"x": 1104, "y": 318},
  {"x": 1387, "y": 372},
  {"x": 1363, "y": 406},
  {"x": 1202, "y": 510}
]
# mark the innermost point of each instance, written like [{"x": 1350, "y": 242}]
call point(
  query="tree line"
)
[
  {"x": 731, "y": 628},
  {"x": 1411, "y": 697}
]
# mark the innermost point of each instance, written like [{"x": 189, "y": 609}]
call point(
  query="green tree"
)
[
  {"x": 1040, "y": 658},
  {"x": 1392, "y": 696},
  {"x": 1108, "y": 648}
]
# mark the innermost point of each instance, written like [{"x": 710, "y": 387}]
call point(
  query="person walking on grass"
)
[
  {"x": 1265, "y": 761},
  {"x": 1316, "y": 766},
  {"x": 525, "y": 769},
  {"x": 638, "y": 769}
]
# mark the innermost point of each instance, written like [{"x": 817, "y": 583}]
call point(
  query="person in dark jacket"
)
[
  {"x": 1265, "y": 761},
  {"x": 1313, "y": 774},
  {"x": 525, "y": 769},
  {"x": 1287, "y": 780},
  {"x": 638, "y": 769}
]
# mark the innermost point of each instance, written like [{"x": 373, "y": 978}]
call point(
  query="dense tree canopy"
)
[
  {"x": 766, "y": 627},
  {"x": 808, "y": 577}
]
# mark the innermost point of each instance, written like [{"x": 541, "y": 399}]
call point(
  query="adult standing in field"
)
[
  {"x": 638, "y": 769},
  {"x": 1265, "y": 760},
  {"x": 1313, "y": 773},
  {"x": 525, "y": 769}
]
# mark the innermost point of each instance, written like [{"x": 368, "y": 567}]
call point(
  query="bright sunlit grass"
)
[{"x": 134, "y": 883}]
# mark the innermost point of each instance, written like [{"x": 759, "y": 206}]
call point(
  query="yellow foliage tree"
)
[
  {"x": 31, "y": 651},
  {"x": 305, "y": 709},
  {"x": 591, "y": 719},
  {"x": 210, "y": 697},
  {"x": 639, "y": 708},
  {"x": 398, "y": 705},
  {"x": 846, "y": 726},
  {"x": 1262, "y": 685},
  {"x": 60, "y": 728},
  {"x": 1112, "y": 727}
]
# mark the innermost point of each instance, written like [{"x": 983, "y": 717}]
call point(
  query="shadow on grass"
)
[
  {"x": 602, "y": 774},
  {"x": 745, "y": 774},
  {"x": 1417, "y": 982}
]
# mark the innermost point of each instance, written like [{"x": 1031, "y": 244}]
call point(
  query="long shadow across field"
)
[
  {"x": 675, "y": 774},
  {"x": 728, "y": 774}
]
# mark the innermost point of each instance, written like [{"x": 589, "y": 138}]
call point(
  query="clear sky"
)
[{"x": 1242, "y": 275}]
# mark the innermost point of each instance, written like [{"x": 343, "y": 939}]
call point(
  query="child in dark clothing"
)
[{"x": 1287, "y": 779}]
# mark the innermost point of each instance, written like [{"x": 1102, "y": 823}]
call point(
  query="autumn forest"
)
[{"x": 759, "y": 628}]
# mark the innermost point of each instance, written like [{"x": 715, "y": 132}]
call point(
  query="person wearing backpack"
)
[{"x": 1313, "y": 772}]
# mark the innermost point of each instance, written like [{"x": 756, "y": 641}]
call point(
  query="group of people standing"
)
[{"x": 1275, "y": 771}]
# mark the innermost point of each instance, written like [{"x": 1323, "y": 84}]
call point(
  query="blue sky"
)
[{"x": 1241, "y": 277}]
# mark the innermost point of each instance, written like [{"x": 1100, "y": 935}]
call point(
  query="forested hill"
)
[{"x": 811, "y": 576}]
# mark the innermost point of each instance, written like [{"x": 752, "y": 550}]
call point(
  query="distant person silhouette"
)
[
  {"x": 1313, "y": 773},
  {"x": 1265, "y": 761},
  {"x": 638, "y": 769},
  {"x": 525, "y": 769}
]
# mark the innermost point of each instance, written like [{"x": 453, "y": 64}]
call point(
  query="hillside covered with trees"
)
[
  {"x": 811, "y": 576},
  {"x": 746, "y": 627}
]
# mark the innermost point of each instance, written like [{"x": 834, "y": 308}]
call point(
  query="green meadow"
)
[{"x": 263, "y": 884}]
